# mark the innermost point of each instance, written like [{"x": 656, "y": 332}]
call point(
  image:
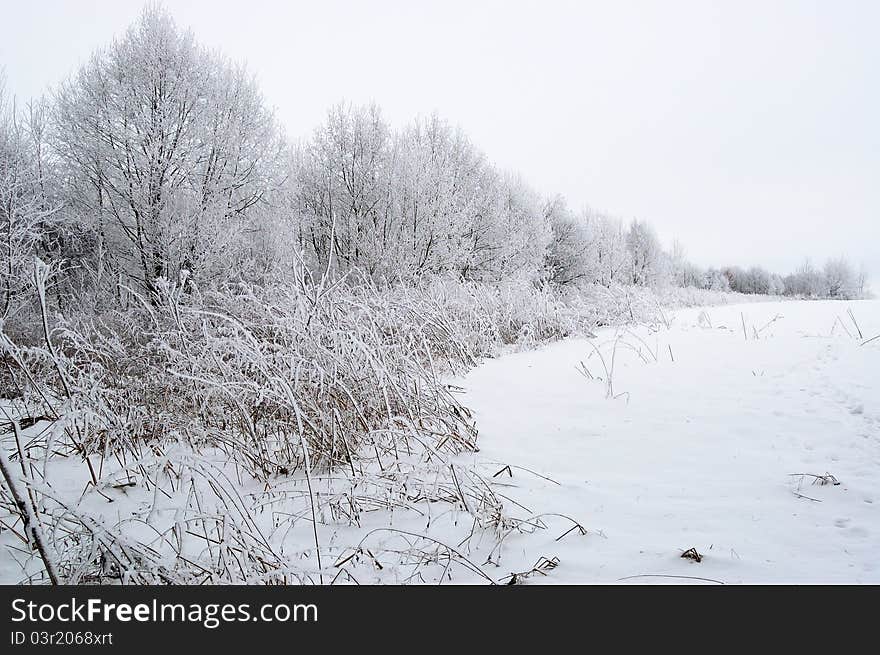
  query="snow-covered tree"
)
[
  {"x": 570, "y": 254},
  {"x": 440, "y": 183},
  {"x": 839, "y": 279},
  {"x": 806, "y": 281},
  {"x": 611, "y": 256},
  {"x": 345, "y": 185},
  {"x": 777, "y": 285},
  {"x": 421, "y": 200},
  {"x": 644, "y": 252},
  {"x": 681, "y": 272},
  {"x": 30, "y": 223},
  {"x": 716, "y": 280},
  {"x": 518, "y": 233},
  {"x": 756, "y": 280},
  {"x": 167, "y": 146},
  {"x": 862, "y": 290}
]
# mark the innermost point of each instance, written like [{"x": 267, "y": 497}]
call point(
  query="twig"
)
[
  {"x": 506, "y": 468},
  {"x": 28, "y": 515},
  {"x": 853, "y": 319}
]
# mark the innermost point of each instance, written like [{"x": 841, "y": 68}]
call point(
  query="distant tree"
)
[
  {"x": 777, "y": 285},
  {"x": 862, "y": 282},
  {"x": 736, "y": 278},
  {"x": 716, "y": 280},
  {"x": 345, "y": 186},
  {"x": 570, "y": 252},
  {"x": 30, "y": 221},
  {"x": 678, "y": 264},
  {"x": 609, "y": 252},
  {"x": 442, "y": 182},
  {"x": 839, "y": 279},
  {"x": 420, "y": 200},
  {"x": 644, "y": 252},
  {"x": 680, "y": 271},
  {"x": 808, "y": 281},
  {"x": 518, "y": 233},
  {"x": 756, "y": 280}
]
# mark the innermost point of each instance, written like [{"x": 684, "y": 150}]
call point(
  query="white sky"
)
[{"x": 750, "y": 130}]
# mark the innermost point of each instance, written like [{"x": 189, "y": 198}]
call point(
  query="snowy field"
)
[
  {"x": 749, "y": 433},
  {"x": 716, "y": 450}
]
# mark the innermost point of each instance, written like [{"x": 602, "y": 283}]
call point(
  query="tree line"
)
[{"x": 160, "y": 160}]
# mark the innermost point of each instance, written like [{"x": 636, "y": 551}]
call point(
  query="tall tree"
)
[{"x": 168, "y": 146}]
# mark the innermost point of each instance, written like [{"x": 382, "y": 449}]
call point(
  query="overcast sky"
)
[{"x": 750, "y": 131}]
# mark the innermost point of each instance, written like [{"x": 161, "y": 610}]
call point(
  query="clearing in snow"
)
[{"x": 745, "y": 436}]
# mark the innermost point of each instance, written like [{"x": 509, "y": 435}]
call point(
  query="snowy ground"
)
[
  {"x": 708, "y": 437},
  {"x": 697, "y": 452}
]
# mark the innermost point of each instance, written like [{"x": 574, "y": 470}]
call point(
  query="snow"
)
[
  {"x": 717, "y": 428},
  {"x": 699, "y": 452}
]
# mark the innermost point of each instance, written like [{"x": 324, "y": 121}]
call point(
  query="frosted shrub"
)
[{"x": 286, "y": 382}]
